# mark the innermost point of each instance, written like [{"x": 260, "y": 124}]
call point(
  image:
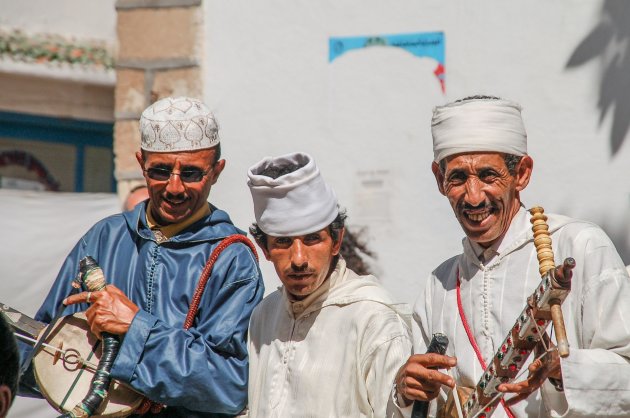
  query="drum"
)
[{"x": 65, "y": 378}]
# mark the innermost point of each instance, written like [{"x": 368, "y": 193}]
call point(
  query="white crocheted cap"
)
[
  {"x": 293, "y": 204},
  {"x": 178, "y": 124},
  {"x": 478, "y": 125}
]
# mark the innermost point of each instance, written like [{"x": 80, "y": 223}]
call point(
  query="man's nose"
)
[
  {"x": 174, "y": 184},
  {"x": 299, "y": 258},
  {"x": 475, "y": 194}
]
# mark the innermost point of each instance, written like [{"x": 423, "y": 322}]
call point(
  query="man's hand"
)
[
  {"x": 416, "y": 379},
  {"x": 111, "y": 310},
  {"x": 539, "y": 370}
]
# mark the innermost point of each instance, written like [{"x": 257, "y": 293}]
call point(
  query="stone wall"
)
[{"x": 159, "y": 55}]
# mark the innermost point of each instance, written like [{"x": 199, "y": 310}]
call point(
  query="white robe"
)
[
  {"x": 596, "y": 375},
  {"x": 332, "y": 355}
]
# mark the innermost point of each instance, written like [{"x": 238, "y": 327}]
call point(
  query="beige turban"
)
[
  {"x": 293, "y": 204},
  {"x": 178, "y": 124},
  {"x": 478, "y": 125}
]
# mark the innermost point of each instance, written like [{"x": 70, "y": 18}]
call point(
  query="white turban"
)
[
  {"x": 178, "y": 124},
  {"x": 478, "y": 125},
  {"x": 296, "y": 203}
]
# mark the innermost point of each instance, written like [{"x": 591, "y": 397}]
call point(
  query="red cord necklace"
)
[{"x": 472, "y": 340}]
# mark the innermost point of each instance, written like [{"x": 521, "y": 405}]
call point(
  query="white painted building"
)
[{"x": 365, "y": 116}]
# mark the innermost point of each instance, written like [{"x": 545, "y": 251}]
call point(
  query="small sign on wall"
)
[{"x": 372, "y": 196}]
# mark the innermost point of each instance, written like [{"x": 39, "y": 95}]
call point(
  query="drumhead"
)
[{"x": 64, "y": 382}]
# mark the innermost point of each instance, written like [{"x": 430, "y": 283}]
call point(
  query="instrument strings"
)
[
  {"x": 518, "y": 376},
  {"x": 69, "y": 355}
]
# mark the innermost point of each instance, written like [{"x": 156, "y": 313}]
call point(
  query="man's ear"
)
[
  {"x": 337, "y": 245},
  {"x": 5, "y": 400},
  {"x": 439, "y": 177},
  {"x": 217, "y": 169},
  {"x": 524, "y": 172},
  {"x": 140, "y": 159}
]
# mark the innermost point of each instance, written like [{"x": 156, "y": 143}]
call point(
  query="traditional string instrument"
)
[
  {"x": 75, "y": 382},
  {"x": 71, "y": 365},
  {"x": 543, "y": 307}
]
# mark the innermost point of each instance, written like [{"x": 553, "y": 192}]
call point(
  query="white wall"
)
[{"x": 269, "y": 80}]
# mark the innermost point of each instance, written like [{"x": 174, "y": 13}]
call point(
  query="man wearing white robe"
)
[
  {"x": 329, "y": 342},
  {"x": 481, "y": 165}
]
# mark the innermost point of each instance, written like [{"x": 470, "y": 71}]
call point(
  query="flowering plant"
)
[{"x": 41, "y": 48}]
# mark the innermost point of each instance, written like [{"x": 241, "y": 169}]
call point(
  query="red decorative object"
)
[{"x": 156, "y": 407}]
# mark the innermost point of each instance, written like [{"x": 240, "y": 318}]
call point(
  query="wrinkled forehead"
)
[{"x": 474, "y": 160}]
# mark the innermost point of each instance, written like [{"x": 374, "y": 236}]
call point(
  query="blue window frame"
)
[{"x": 78, "y": 133}]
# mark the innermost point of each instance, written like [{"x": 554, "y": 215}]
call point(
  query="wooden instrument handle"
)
[
  {"x": 558, "y": 325},
  {"x": 542, "y": 240},
  {"x": 544, "y": 252}
]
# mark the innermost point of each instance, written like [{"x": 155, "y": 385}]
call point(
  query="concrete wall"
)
[{"x": 365, "y": 117}]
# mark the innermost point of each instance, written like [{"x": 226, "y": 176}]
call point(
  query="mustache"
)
[
  {"x": 481, "y": 206},
  {"x": 179, "y": 197},
  {"x": 298, "y": 270}
]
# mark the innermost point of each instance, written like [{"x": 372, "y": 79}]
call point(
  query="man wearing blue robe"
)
[{"x": 152, "y": 258}]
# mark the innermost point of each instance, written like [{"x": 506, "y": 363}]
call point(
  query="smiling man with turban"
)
[{"x": 481, "y": 166}]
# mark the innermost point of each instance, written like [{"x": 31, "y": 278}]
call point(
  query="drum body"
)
[{"x": 64, "y": 380}]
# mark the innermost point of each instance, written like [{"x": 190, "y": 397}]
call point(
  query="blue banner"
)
[{"x": 424, "y": 44}]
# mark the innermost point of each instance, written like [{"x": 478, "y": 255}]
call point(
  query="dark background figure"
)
[
  {"x": 355, "y": 251},
  {"x": 9, "y": 362},
  {"x": 138, "y": 194}
]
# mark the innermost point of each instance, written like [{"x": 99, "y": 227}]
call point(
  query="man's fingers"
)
[
  {"x": 412, "y": 389},
  {"x": 113, "y": 289},
  {"x": 91, "y": 297},
  {"x": 415, "y": 381},
  {"x": 526, "y": 386},
  {"x": 434, "y": 360},
  {"x": 110, "y": 310},
  {"x": 520, "y": 387},
  {"x": 418, "y": 395},
  {"x": 441, "y": 378},
  {"x": 535, "y": 366},
  {"x": 424, "y": 385},
  {"x": 83, "y": 297},
  {"x": 428, "y": 376}
]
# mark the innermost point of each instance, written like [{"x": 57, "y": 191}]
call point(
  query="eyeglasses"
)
[{"x": 164, "y": 174}]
